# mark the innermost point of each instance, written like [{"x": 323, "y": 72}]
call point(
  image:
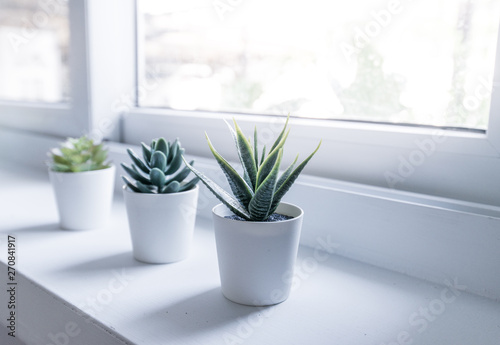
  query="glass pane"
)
[
  {"x": 34, "y": 39},
  {"x": 427, "y": 62}
]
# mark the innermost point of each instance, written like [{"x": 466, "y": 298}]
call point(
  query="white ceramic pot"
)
[
  {"x": 161, "y": 225},
  {"x": 256, "y": 259},
  {"x": 83, "y": 198}
]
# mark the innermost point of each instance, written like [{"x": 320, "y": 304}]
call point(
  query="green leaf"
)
[
  {"x": 255, "y": 148},
  {"x": 246, "y": 155},
  {"x": 263, "y": 155},
  {"x": 173, "y": 187},
  {"x": 239, "y": 187},
  {"x": 100, "y": 157},
  {"x": 288, "y": 182},
  {"x": 246, "y": 177},
  {"x": 221, "y": 194},
  {"x": 130, "y": 184},
  {"x": 278, "y": 139},
  {"x": 60, "y": 167},
  {"x": 181, "y": 175},
  {"x": 157, "y": 177},
  {"x": 158, "y": 160},
  {"x": 135, "y": 174},
  {"x": 287, "y": 173},
  {"x": 59, "y": 159},
  {"x": 173, "y": 150},
  {"x": 146, "y": 154},
  {"x": 138, "y": 161},
  {"x": 261, "y": 203},
  {"x": 144, "y": 188},
  {"x": 175, "y": 163},
  {"x": 268, "y": 163},
  {"x": 190, "y": 184},
  {"x": 162, "y": 146}
]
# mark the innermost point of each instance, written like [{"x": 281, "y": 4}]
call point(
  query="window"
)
[
  {"x": 425, "y": 63},
  {"x": 34, "y": 46},
  {"x": 115, "y": 66}
]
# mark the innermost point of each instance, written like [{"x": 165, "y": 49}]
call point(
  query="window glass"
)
[
  {"x": 426, "y": 62},
  {"x": 34, "y": 39}
]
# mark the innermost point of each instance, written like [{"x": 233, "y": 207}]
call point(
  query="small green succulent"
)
[
  {"x": 258, "y": 193},
  {"x": 77, "y": 155},
  {"x": 158, "y": 172}
]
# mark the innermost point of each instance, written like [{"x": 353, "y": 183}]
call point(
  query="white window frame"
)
[
  {"x": 463, "y": 165},
  {"x": 100, "y": 50}
]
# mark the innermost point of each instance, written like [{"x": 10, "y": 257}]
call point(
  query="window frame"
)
[
  {"x": 464, "y": 165},
  {"x": 99, "y": 53}
]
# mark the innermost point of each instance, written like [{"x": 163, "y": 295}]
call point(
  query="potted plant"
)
[
  {"x": 161, "y": 205},
  {"x": 257, "y": 235},
  {"x": 83, "y": 183}
]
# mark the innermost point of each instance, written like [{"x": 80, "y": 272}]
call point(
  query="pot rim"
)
[
  {"x": 257, "y": 222},
  {"x": 90, "y": 172},
  {"x": 153, "y": 195}
]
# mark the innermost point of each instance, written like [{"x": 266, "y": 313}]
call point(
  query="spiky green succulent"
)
[
  {"x": 257, "y": 193},
  {"x": 78, "y": 155},
  {"x": 159, "y": 171}
]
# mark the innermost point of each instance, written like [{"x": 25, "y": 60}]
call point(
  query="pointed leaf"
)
[
  {"x": 221, "y": 194},
  {"x": 130, "y": 184},
  {"x": 138, "y": 161},
  {"x": 246, "y": 177},
  {"x": 144, "y": 188},
  {"x": 146, "y": 154},
  {"x": 287, "y": 173},
  {"x": 268, "y": 163},
  {"x": 174, "y": 149},
  {"x": 239, "y": 187},
  {"x": 255, "y": 148},
  {"x": 288, "y": 182},
  {"x": 135, "y": 174},
  {"x": 261, "y": 203},
  {"x": 263, "y": 155},
  {"x": 246, "y": 155},
  {"x": 181, "y": 175},
  {"x": 190, "y": 184},
  {"x": 278, "y": 140}
]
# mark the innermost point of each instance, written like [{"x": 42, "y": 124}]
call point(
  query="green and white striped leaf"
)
[
  {"x": 268, "y": 163},
  {"x": 246, "y": 155},
  {"x": 260, "y": 206},
  {"x": 239, "y": 187},
  {"x": 246, "y": 177},
  {"x": 288, "y": 182},
  {"x": 221, "y": 194}
]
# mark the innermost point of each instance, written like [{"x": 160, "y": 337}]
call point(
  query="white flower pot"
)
[
  {"x": 256, "y": 259},
  {"x": 83, "y": 198},
  {"x": 161, "y": 225}
]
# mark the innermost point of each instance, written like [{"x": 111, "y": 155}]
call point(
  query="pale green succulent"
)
[
  {"x": 78, "y": 155},
  {"x": 158, "y": 172},
  {"x": 258, "y": 193}
]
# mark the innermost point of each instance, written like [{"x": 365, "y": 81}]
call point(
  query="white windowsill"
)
[{"x": 337, "y": 300}]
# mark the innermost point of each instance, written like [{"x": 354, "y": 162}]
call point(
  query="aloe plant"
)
[
  {"x": 159, "y": 172},
  {"x": 257, "y": 193},
  {"x": 78, "y": 155}
]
